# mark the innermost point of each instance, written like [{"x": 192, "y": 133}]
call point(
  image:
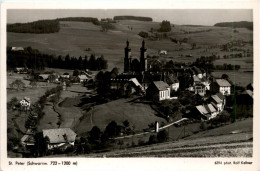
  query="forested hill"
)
[
  {"x": 138, "y": 18},
  {"x": 80, "y": 19},
  {"x": 41, "y": 26},
  {"x": 240, "y": 24}
]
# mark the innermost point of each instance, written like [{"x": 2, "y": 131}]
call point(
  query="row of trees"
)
[
  {"x": 41, "y": 26},
  {"x": 138, "y": 18},
  {"x": 33, "y": 59}
]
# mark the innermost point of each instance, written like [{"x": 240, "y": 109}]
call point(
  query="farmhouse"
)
[
  {"x": 224, "y": 86},
  {"x": 65, "y": 75},
  {"x": 43, "y": 77},
  {"x": 158, "y": 91},
  {"x": 59, "y": 137},
  {"x": 207, "y": 112},
  {"x": 21, "y": 70},
  {"x": 17, "y": 49},
  {"x": 173, "y": 82},
  {"x": 218, "y": 101},
  {"x": 199, "y": 88},
  {"x": 53, "y": 78},
  {"x": 28, "y": 140},
  {"x": 82, "y": 78},
  {"x": 163, "y": 52}
]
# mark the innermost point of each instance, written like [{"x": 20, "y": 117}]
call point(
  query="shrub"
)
[
  {"x": 143, "y": 34},
  {"x": 152, "y": 139},
  {"x": 162, "y": 136}
]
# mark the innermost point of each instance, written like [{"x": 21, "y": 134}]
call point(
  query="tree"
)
[
  {"x": 12, "y": 103},
  {"x": 94, "y": 134},
  {"x": 126, "y": 123},
  {"x": 17, "y": 84},
  {"x": 165, "y": 26},
  {"x": 225, "y": 76},
  {"x": 76, "y": 72},
  {"x": 114, "y": 72},
  {"x": 185, "y": 81},
  {"x": 112, "y": 129}
]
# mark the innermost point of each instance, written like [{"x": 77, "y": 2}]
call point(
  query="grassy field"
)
[
  {"x": 32, "y": 93},
  {"x": 237, "y": 77},
  {"x": 74, "y": 37},
  {"x": 138, "y": 114},
  {"x": 218, "y": 142}
]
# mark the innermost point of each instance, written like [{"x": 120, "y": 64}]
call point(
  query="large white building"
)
[{"x": 224, "y": 86}]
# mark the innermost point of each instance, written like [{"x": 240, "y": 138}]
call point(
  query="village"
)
[{"x": 180, "y": 94}]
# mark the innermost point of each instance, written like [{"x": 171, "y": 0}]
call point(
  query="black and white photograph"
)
[{"x": 129, "y": 83}]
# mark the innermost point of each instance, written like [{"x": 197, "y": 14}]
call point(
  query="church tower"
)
[
  {"x": 143, "y": 57},
  {"x": 127, "y": 58}
]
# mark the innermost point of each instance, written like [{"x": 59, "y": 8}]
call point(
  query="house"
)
[
  {"x": 207, "y": 112},
  {"x": 205, "y": 82},
  {"x": 199, "y": 88},
  {"x": 224, "y": 86},
  {"x": 21, "y": 70},
  {"x": 82, "y": 78},
  {"x": 59, "y": 137},
  {"x": 173, "y": 82},
  {"x": 65, "y": 75},
  {"x": 43, "y": 77},
  {"x": 54, "y": 78},
  {"x": 28, "y": 140},
  {"x": 163, "y": 52},
  {"x": 17, "y": 49},
  {"x": 218, "y": 101},
  {"x": 158, "y": 91}
]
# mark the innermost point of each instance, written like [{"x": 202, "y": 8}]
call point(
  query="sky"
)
[{"x": 175, "y": 16}]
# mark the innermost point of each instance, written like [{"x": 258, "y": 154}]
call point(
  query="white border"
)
[{"x": 133, "y": 163}]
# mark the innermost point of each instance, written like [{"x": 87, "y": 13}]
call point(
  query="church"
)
[{"x": 133, "y": 65}]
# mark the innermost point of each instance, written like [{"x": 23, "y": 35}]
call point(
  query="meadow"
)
[{"x": 75, "y": 37}]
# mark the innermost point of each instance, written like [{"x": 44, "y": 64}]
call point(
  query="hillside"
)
[
  {"x": 218, "y": 142},
  {"x": 41, "y": 26},
  {"x": 240, "y": 24},
  {"x": 75, "y": 37}
]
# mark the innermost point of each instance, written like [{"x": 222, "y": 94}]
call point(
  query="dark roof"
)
[
  {"x": 148, "y": 78},
  {"x": 160, "y": 85},
  {"x": 223, "y": 83},
  {"x": 221, "y": 96},
  {"x": 171, "y": 79}
]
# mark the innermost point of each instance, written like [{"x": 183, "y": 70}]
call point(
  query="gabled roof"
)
[
  {"x": 206, "y": 109},
  {"x": 221, "y": 96},
  {"x": 82, "y": 77},
  {"x": 216, "y": 99},
  {"x": 223, "y": 83},
  {"x": 136, "y": 82},
  {"x": 196, "y": 79},
  {"x": 202, "y": 109},
  {"x": 44, "y": 76},
  {"x": 210, "y": 108},
  {"x": 60, "y": 135},
  {"x": 160, "y": 85}
]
